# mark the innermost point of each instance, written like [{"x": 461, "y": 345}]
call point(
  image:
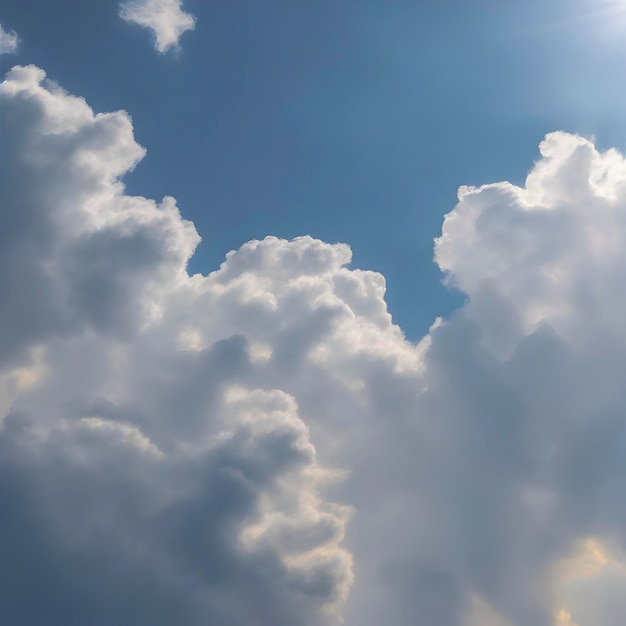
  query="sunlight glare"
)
[{"x": 603, "y": 20}]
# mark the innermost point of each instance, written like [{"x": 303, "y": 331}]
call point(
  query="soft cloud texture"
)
[
  {"x": 165, "y": 18},
  {"x": 8, "y": 41},
  {"x": 146, "y": 479},
  {"x": 235, "y": 448}
]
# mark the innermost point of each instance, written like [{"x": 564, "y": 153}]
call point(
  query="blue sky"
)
[
  {"x": 351, "y": 121},
  {"x": 267, "y": 427}
]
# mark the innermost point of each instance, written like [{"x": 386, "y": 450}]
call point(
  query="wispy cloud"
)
[
  {"x": 165, "y": 18},
  {"x": 8, "y": 41}
]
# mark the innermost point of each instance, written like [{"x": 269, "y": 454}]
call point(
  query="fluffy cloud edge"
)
[
  {"x": 165, "y": 18},
  {"x": 467, "y": 450},
  {"x": 244, "y": 465}
]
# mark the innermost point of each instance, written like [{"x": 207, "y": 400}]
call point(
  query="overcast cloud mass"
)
[
  {"x": 261, "y": 445},
  {"x": 165, "y": 18}
]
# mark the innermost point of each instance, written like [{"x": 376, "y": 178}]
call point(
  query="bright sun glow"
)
[
  {"x": 610, "y": 9},
  {"x": 605, "y": 20}
]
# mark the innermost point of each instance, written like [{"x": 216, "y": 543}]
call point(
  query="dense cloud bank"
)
[
  {"x": 146, "y": 476},
  {"x": 165, "y": 18},
  {"x": 235, "y": 448}
]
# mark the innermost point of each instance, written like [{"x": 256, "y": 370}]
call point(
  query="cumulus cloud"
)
[
  {"x": 165, "y": 18},
  {"x": 8, "y": 41},
  {"x": 251, "y": 445},
  {"x": 521, "y": 427},
  {"x": 146, "y": 479}
]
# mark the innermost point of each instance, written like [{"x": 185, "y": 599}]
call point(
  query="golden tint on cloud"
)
[
  {"x": 260, "y": 444},
  {"x": 564, "y": 619}
]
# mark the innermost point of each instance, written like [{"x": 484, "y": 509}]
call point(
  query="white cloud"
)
[
  {"x": 551, "y": 251},
  {"x": 196, "y": 487},
  {"x": 221, "y": 448},
  {"x": 8, "y": 41},
  {"x": 165, "y": 18}
]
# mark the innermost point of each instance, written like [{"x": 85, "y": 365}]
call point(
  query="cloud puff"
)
[
  {"x": 520, "y": 430},
  {"x": 146, "y": 478},
  {"x": 165, "y": 18},
  {"x": 8, "y": 41},
  {"x": 551, "y": 251},
  {"x": 236, "y": 447}
]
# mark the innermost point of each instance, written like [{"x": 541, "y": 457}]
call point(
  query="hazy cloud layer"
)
[
  {"x": 165, "y": 18},
  {"x": 234, "y": 448},
  {"x": 8, "y": 41}
]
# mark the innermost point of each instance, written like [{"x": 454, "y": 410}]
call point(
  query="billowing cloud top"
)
[
  {"x": 165, "y": 18},
  {"x": 8, "y": 41},
  {"x": 246, "y": 447}
]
